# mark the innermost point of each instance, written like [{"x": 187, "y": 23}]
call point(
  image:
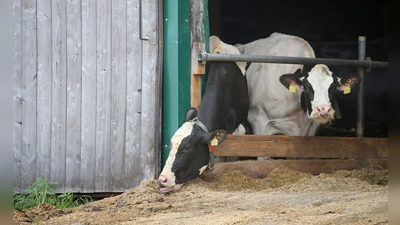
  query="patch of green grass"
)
[
  {"x": 42, "y": 191},
  {"x": 36, "y": 220}
]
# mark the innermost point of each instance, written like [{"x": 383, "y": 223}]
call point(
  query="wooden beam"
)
[
  {"x": 303, "y": 147},
  {"x": 260, "y": 169},
  {"x": 197, "y": 69},
  {"x": 197, "y": 46}
]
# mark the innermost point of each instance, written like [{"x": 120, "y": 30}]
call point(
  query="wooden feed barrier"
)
[{"x": 309, "y": 154}]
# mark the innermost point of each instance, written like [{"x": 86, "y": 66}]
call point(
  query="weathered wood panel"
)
[
  {"x": 307, "y": 154},
  {"x": 29, "y": 91},
  {"x": 44, "y": 65},
  {"x": 118, "y": 93},
  {"x": 17, "y": 92},
  {"x": 197, "y": 46},
  {"x": 86, "y": 93},
  {"x": 303, "y": 147},
  {"x": 89, "y": 71},
  {"x": 149, "y": 127},
  {"x": 58, "y": 95},
  {"x": 74, "y": 95},
  {"x": 103, "y": 95},
  {"x": 134, "y": 96}
]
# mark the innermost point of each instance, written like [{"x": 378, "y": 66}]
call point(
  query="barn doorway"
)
[{"x": 332, "y": 28}]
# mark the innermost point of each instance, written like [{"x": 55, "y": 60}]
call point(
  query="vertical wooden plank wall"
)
[
  {"x": 86, "y": 94},
  {"x": 17, "y": 93},
  {"x": 103, "y": 95},
  {"x": 149, "y": 127},
  {"x": 58, "y": 92},
  {"x": 134, "y": 96},
  {"x": 88, "y": 130},
  {"x": 44, "y": 18},
  {"x": 29, "y": 91},
  {"x": 74, "y": 94},
  {"x": 118, "y": 92}
]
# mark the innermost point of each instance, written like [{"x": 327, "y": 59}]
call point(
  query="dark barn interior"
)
[
  {"x": 314, "y": 20},
  {"x": 332, "y": 28}
]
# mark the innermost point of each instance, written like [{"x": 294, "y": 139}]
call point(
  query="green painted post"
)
[{"x": 176, "y": 80}]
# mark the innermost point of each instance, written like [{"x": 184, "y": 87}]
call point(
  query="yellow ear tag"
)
[
  {"x": 292, "y": 88},
  {"x": 214, "y": 141},
  {"x": 347, "y": 90}
]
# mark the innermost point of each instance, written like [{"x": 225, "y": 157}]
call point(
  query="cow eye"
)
[{"x": 186, "y": 148}]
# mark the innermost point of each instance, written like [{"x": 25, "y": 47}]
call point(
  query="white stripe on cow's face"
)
[
  {"x": 320, "y": 77},
  {"x": 184, "y": 131}
]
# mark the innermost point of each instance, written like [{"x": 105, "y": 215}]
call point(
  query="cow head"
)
[
  {"x": 189, "y": 152},
  {"x": 318, "y": 90}
]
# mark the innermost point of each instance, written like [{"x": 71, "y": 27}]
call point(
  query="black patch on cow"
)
[
  {"x": 307, "y": 96},
  {"x": 308, "y": 93},
  {"x": 224, "y": 105},
  {"x": 192, "y": 154},
  {"x": 225, "y": 102},
  {"x": 376, "y": 110}
]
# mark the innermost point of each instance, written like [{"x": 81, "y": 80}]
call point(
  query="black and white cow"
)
[
  {"x": 376, "y": 82},
  {"x": 284, "y": 99},
  {"x": 223, "y": 108}
]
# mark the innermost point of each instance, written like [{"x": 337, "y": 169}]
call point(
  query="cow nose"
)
[
  {"x": 324, "y": 110},
  {"x": 162, "y": 181}
]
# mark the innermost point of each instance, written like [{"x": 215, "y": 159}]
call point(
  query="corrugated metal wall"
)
[{"x": 87, "y": 93}]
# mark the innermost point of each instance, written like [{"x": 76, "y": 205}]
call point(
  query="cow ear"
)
[
  {"x": 298, "y": 73},
  {"x": 191, "y": 113},
  {"x": 306, "y": 69},
  {"x": 216, "y": 137},
  {"x": 290, "y": 80},
  {"x": 349, "y": 81},
  {"x": 247, "y": 65}
]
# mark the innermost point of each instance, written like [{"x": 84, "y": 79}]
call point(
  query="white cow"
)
[{"x": 284, "y": 100}]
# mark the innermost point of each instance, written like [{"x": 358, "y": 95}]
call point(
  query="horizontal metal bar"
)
[{"x": 204, "y": 56}]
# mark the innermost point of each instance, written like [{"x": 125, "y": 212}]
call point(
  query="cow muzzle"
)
[
  {"x": 323, "y": 114},
  {"x": 163, "y": 182}
]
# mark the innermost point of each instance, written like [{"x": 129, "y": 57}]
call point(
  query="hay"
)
[
  {"x": 234, "y": 193},
  {"x": 380, "y": 177},
  {"x": 238, "y": 181}
]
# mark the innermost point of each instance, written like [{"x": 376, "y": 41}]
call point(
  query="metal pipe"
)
[
  {"x": 204, "y": 56},
  {"x": 360, "y": 96}
]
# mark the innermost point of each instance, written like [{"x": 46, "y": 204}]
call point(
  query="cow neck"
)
[
  {"x": 200, "y": 124},
  {"x": 210, "y": 166},
  {"x": 211, "y": 122}
]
